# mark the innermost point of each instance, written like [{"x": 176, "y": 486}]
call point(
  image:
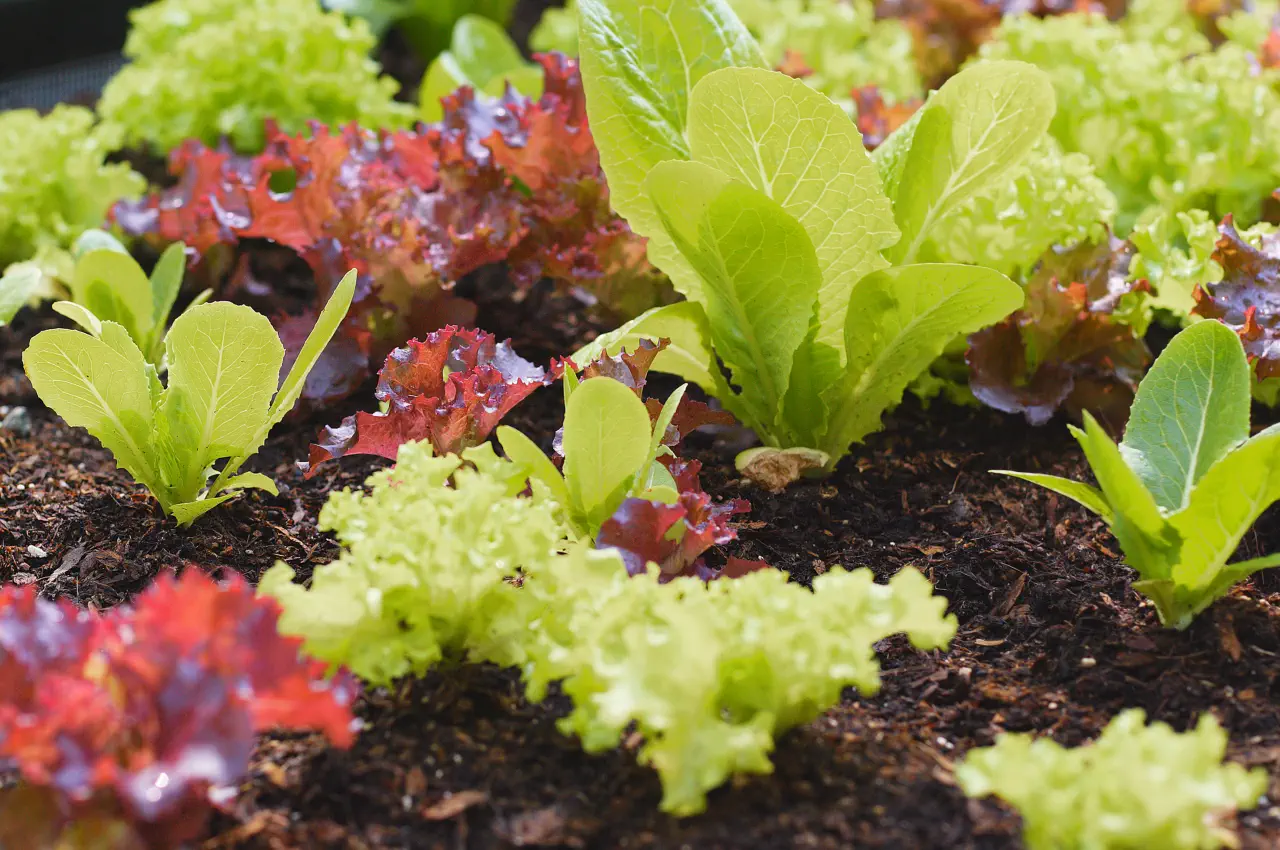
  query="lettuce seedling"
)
[
  {"x": 761, "y": 204},
  {"x": 451, "y": 388},
  {"x": 1136, "y": 786},
  {"x": 123, "y": 728},
  {"x": 482, "y": 56},
  {"x": 224, "y": 364},
  {"x": 611, "y": 451},
  {"x": 709, "y": 673},
  {"x": 1185, "y": 484}
]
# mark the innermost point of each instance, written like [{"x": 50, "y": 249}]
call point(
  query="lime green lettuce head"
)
[
  {"x": 1166, "y": 119},
  {"x": 54, "y": 181},
  {"x": 428, "y": 555},
  {"x": 211, "y": 68},
  {"x": 1137, "y": 786}
]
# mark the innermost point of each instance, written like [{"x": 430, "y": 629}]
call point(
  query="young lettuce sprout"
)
[
  {"x": 803, "y": 259},
  {"x": 611, "y": 447},
  {"x": 1136, "y": 786},
  {"x": 222, "y": 396},
  {"x": 1187, "y": 481}
]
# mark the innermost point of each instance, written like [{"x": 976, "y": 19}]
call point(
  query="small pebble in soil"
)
[
  {"x": 37, "y": 553},
  {"x": 17, "y": 420},
  {"x": 1088, "y": 662}
]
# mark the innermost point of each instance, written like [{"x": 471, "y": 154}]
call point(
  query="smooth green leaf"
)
[
  {"x": 224, "y": 362},
  {"x": 1191, "y": 409},
  {"x": 759, "y": 273},
  {"x": 1228, "y": 499},
  {"x": 188, "y": 512},
  {"x": 166, "y": 282},
  {"x": 1077, "y": 491},
  {"x": 792, "y": 143},
  {"x": 327, "y": 324},
  {"x": 96, "y": 240},
  {"x": 80, "y": 315},
  {"x": 660, "y": 426},
  {"x": 688, "y": 353},
  {"x": 19, "y": 284},
  {"x": 890, "y": 158},
  {"x": 640, "y": 62},
  {"x": 606, "y": 439},
  {"x": 973, "y": 132},
  {"x": 96, "y": 386},
  {"x": 251, "y": 481},
  {"x": 114, "y": 288},
  {"x": 1150, "y": 544},
  {"x": 525, "y": 453},
  {"x": 899, "y": 321}
]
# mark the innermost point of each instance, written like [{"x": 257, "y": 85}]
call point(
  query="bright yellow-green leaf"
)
[
  {"x": 99, "y": 387},
  {"x": 17, "y": 287},
  {"x": 688, "y": 353},
  {"x": 481, "y": 55},
  {"x": 640, "y": 62},
  {"x": 606, "y": 440},
  {"x": 792, "y": 143},
  {"x": 972, "y": 132},
  {"x": 224, "y": 362},
  {"x": 1191, "y": 409},
  {"x": 114, "y": 288},
  {"x": 760, "y": 279},
  {"x": 899, "y": 321}
]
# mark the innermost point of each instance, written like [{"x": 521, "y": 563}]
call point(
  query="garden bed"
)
[{"x": 1051, "y": 639}]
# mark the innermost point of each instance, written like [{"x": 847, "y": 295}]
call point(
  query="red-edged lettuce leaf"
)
[
  {"x": 130, "y": 720},
  {"x": 1064, "y": 348},
  {"x": 1247, "y": 299},
  {"x": 452, "y": 387},
  {"x": 675, "y": 537},
  {"x": 508, "y": 180}
]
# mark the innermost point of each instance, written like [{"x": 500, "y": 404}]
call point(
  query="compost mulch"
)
[{"x": 1052, "y": 639}]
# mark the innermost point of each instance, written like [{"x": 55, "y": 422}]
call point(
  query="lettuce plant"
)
[
  {"x": 1167, "y": 120},
  {"x": 481, "y": 55},
  {"x": 54, "y": 181},
  {"x": 222, "y": 397},
  {"x": 1187, "y": 481},
  {"x": 1051, "y": 199},
  {"x": 1136, "y": 786},
  {"x": 405, "y": 595},
  {"x": 763, "y": 208},
  {"x": 452, "y": 388},
  {"x": 123, "y": 728},
  {"x": 1076, "y": 344},
  {"x": 208, "y": 69},
  {"x": 611, "y": 450},
  {"x": 709, "y": 673}
]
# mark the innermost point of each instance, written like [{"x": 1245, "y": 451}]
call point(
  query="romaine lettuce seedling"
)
[
  {"x": 611, "y": 448},
  {"x": 223, "y": 395},
  {"x": 761, "y": 204},
  {"x": 1137, "y": 786},
  {"x": 1185, "y": 484}
]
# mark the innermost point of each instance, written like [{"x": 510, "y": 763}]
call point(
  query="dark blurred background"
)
[{"x": 59, "y": 49}]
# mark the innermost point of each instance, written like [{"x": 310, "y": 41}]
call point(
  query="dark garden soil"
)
[{"x": 1052, "y": 639}]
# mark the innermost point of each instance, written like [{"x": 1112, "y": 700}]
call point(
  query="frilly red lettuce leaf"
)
[
  {"x": 130, "y": 720},
  {"x": 1247, "y": 299},
  {"x": 1066, "y": 347},
  {"x": 452, "y": 387}
]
